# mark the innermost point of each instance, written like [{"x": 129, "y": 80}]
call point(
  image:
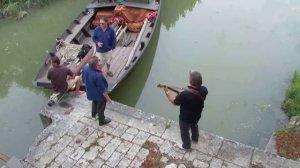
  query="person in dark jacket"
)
[
  {"x": 96, "y": 89},
  {"x": 105, "y": 39},
  {"x": 191, "y": 102}
]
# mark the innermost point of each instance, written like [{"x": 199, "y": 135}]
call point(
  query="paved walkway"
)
[{"x": 133, "y": 139}]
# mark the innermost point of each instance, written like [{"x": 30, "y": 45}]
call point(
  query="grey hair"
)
[
  {"x": 195, "y": 78},
  {"x": 103, "y": 19},
  {"x": 93, "y": 62}
]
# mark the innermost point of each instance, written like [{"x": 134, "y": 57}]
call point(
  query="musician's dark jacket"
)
[{"x": 191, "y": 105}]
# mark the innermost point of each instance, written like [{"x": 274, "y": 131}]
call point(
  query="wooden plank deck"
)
[{"x": 120, "y": 56}]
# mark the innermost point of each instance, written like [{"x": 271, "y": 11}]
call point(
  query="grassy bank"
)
[
  {"x": 291, "y": 104},
  {"x": 288, "y": 139},
  {"x": 17, "y": 8}
]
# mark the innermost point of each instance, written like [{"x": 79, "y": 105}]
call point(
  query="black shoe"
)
[
  {"x": 195, "y": 141},
  {"x": 93, "y": 115},
  {"x": 105, "y": 121}
]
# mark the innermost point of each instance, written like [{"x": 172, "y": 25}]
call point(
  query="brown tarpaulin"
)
[{"x": 134, "y": 17}]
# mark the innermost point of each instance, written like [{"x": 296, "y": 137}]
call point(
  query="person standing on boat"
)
[
  {"x": 105, "y": 39},
  {"x": 96, "y": 89},
  {"x": 191, "y": 102},
  {"x": 62, "y": 78}
]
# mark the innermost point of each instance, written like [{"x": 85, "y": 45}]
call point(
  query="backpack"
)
[{"x": 84, "y": 50}]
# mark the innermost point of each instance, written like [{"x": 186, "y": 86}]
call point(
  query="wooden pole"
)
[
  {"x": 138, "y": 39},
  {"x": 121, "y": 33}
]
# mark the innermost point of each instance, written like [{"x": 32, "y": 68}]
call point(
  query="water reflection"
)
[
  {"x": 172, "y": 10},
  {"x": 141, "y": 72}
]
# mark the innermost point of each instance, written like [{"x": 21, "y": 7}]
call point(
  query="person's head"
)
[
  {"x": 103, "y": 23},
  {"x": 55, "y": 61},
  {"x": 195, "y": 78},
  {"x": 94, "y": 62}
]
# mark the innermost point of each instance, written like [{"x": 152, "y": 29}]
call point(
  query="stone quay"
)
[{"x": 73, "y": 139}]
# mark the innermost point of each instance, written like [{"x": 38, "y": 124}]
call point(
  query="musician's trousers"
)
[{"x": 185, "y": 133}]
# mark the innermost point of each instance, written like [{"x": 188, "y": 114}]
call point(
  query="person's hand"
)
[
  {"x": 108, "y": 101},
  {"x": 165, "y": 88},
  {"x": 100, "y": 44}
]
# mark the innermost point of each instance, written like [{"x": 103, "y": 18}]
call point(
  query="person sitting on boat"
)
[
  {"x": 105, "y": 39},
  {"x": 96, "y": 89},
  {"x": 62, "y": 78}
]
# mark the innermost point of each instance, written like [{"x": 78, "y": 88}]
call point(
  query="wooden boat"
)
[{"x": 133, "y": 36}]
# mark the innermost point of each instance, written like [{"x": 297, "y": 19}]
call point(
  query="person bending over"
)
[{"x": 62, "y": 78}]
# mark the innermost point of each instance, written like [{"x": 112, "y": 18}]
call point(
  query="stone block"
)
[
  {"x": 198, "y": 163},
  {"x": 127, "y": 137},
  {"x": 96, "y": 163},
  {"x": 132, "y": 131},
  {"x": 133, "y": 151},
  {"x": 156, "y": 140},
  {"x": 77, "y": 153},
  {"x": 90, "y": 140},
  {"x": 124, "y": 147},
  {"x": 124, "y": 163},
  {"x": 166, "y": 147},
  {"x": 82, "y": 163},
  {"x": 216, "y": 163},
  {"x": 114, "y": 159},
  {"x": 172, "y": 132},
  {"x": 109, "y": 149},
  {"x": 119, "y": 130},
  {"x": 208, "y": 143},
  {"x": 231, "y": 165},
  {"x": 141, "y": 138},
  {"x": 91, "y": 154},
  {"x": 236, "y": 153},
  {"x": 104, "y": 139},
  {"x": 75, "y": 129}
]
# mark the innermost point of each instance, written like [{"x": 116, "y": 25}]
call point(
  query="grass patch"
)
[
  {"x": 291, "y": 104},
  {"x": 145, "y": 145},
  {"x": 280, "y": 131},
  {"x": 16, "y": 8}
]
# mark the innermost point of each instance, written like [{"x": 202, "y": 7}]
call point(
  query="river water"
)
[{"x": 246, "y": 51}]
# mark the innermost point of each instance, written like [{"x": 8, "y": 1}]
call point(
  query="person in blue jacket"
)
[
  {"x": 96, "y": 89},
  {"x": 105, "y": 39}
]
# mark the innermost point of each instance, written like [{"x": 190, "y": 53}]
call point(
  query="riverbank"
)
[
  {"x": 288, "y": 139},
  {"x": 134, "y": 139},
  {"x": 17, "y": 8}
]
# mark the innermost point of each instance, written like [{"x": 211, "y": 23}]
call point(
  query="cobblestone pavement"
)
[{"x": 133, "y": 139}]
